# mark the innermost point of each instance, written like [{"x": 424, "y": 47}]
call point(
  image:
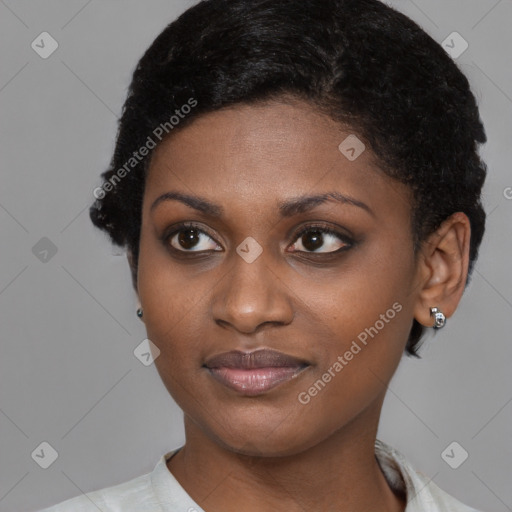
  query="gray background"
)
[{"x": 68, "y": 325}]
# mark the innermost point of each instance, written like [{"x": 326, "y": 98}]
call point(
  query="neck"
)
[{"x": 338, "y": 473}]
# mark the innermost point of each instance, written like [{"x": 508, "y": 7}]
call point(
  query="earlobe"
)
[{"x": 444, "y": 266}]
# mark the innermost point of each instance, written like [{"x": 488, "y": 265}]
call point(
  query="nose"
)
[{"x": 252, "y": 295}]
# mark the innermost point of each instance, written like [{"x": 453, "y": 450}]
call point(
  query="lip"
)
[{"x": 254, "y": 373}]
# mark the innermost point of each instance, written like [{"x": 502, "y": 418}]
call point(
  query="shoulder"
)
[
  {"x": 133, "y": 495},
  {"x": 422, "y": 494},
  {"x": 151, "y": 492},
  {"x": 434, "y": 497}
]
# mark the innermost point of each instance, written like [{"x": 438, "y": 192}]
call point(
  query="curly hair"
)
[{"x": 361, "y": 62}]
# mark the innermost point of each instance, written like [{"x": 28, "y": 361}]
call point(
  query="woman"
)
[{"x": 298, "y": 188}]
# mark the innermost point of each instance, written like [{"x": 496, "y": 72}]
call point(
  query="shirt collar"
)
[{"x": 401, "y": 477}]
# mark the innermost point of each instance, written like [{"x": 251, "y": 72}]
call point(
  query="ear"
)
[
  {"x": 443, "y": 268},
  {"x": 133, "y": 269}
]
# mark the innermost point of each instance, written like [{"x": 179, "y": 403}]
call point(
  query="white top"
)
[{"x": 159, "y": 491}]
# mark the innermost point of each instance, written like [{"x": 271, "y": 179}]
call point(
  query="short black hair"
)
[{"x": 362, "y": 62}]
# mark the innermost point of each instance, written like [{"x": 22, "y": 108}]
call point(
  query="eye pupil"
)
[
  {"x": 312, "y": 235},
  {"x": 188, "y": 238}
]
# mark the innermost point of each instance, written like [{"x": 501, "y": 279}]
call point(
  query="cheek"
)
[
  {"x": 164, "y": 289},
  {"x": 170, "y": 306},
  {"x": 355, "y": 366},
  {"x": 372, "y": 293},
  {"x": 363, "y": 318}
]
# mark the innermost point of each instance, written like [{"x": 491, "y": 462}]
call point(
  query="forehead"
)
[{"x": 252, "y": 156}]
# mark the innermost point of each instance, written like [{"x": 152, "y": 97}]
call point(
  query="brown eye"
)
[
  {"x": 189, "y": 238},
  {"x": 313, "y": 238}
]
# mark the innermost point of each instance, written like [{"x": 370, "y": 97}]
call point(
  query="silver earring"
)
[
  {"x": 439, "y": 318},
  {"x": 139, "y": 312}
]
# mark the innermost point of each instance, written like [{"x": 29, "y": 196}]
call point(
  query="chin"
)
[
  {"x": 260, "y": 439},
  {"x": 254, "y": 447}
]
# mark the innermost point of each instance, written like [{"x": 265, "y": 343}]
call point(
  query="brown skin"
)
[{"x": 271, "y": 452}]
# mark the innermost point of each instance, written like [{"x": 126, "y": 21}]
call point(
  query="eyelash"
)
[{"x": 324, "y": 229}]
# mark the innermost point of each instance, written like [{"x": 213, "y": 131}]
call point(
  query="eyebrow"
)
[{"x": 287, "y": 208}]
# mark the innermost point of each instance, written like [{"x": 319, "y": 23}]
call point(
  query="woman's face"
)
[{"x": 243, "y": 278}]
